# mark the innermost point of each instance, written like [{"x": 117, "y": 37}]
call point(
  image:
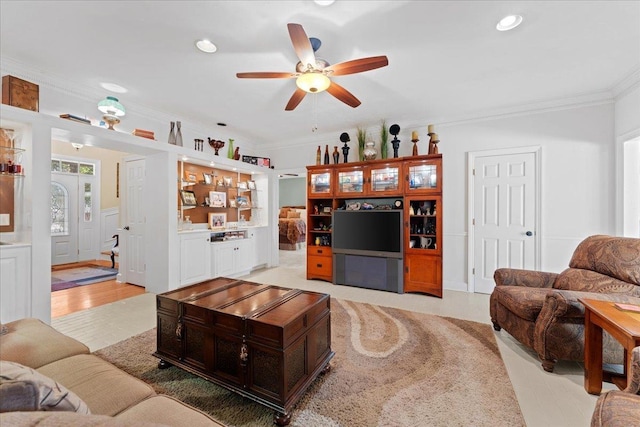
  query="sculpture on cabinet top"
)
[{"x": 344, "y": 137}]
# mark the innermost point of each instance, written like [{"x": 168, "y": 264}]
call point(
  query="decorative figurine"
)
[
  {"x": 433, "y": 141},
  {"x": 395, "y": 143},
  {"x": 344, "y": 137},
  {"x": 414, "y": 139}
]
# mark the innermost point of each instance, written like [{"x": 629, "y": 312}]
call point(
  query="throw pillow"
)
[
  {"x": 283, "y": 212},
  {"x": 293, "y": 214},
  {"x": 52, "y": 396}
]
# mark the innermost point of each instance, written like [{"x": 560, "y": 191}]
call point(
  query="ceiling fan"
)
[{"x": 312, "y": 74}]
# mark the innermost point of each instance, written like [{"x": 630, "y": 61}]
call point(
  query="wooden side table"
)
[{"x": 623, "y": 325}]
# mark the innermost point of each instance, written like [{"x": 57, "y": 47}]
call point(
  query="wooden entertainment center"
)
[{"x": 411, "y": 184}]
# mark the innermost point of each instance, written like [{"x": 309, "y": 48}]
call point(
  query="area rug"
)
[
  {"x": 392, "y": 368},
  {"x": 72, "y": 277}
]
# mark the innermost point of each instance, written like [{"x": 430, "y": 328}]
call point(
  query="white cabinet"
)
[
  {"x": 15, "y": 283},
  {"x": 231, "y": 258},
  {"x": 195, "y": 258},
  {"x": 261, "y": 248}
]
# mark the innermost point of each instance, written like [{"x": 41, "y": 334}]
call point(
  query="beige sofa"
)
[{"x": 113, "y": 397}]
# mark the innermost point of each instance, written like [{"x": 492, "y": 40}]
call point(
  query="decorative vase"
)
[
  {"x": 370, "y": 151},
  {"x": 318, "y": 155},
  {"x": 178, "y": 134},
  {"x": 326, "y": 154},
  {"x": 230, "y": 151},
  {"x": 172, "y": 134},
  {"x": 336, "y": 155}
]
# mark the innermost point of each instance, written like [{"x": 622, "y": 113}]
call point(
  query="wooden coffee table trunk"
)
[{"x": 265, "y": 342}]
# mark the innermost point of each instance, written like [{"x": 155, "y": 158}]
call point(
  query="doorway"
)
[
  {"x": 74, "y": 210},
  {"x": 504, "y": 213}
]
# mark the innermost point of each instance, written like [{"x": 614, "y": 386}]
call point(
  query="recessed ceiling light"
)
[
  {"x": 509, "y": 22},
  {"x": 112, "y": 87},
  {"x": 323, "y": 2},
  {"x": 206, "y": 46}
]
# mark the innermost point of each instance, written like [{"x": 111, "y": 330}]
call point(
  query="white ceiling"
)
[{"x": 447, "y": 62}]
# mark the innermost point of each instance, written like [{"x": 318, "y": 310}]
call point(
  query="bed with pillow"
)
[{"x": 292, "y": 227}]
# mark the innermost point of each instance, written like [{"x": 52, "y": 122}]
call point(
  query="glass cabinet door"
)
[
  {"x": 320, "y": 182},
  {"x": 424, "y": 176},
  {"x": 424, "y": 227},
  {"x": 350, "y": 182},
  {"x": 385, "y": 179}
]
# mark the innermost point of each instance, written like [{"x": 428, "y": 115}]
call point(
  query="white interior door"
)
[
  {"x": 504, "y": 218},
  {"x": 132, "y": 237}
]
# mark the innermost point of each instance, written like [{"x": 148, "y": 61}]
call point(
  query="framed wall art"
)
[
  {"x": 190, "y": 176},
  {"x": 217, "y": 221},
  {"x": 252, "y": 185},
  {"x": 217, "y": 199},
  {"x": 207, "y": 178},
  {"x": 188, "y": 198}
]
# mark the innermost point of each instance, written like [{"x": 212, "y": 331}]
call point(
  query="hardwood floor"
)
[{"x": 83, "y": 297}]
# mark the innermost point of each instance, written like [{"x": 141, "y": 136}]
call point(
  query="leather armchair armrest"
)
[
  {"x": 528, "y": 278},
  {"x": 565, "y": 303}
]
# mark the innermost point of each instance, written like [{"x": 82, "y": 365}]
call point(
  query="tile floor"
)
[{"x": 546, "y": 399}]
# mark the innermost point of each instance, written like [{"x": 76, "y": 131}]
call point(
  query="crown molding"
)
[
  {"x": 626, "y": 84},
  {"x": 90, "y": 94},
  {"x": 580, "y": 101}
]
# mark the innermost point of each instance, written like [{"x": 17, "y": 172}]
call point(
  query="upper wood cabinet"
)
[
  {"x": 320, "y": 181},
  {"x": 423, "y": 176},
  {"x": 382, "y": 178}
]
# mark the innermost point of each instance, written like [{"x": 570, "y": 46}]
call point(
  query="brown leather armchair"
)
[
  {"x": 617, "y": 408},
  {"x": 541, "y": 310}
]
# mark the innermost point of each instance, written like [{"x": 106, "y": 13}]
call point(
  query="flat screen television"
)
[{"x": 367, "y": 232}]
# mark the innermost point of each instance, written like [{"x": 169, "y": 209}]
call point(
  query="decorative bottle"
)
[
  {"x": 178, "y": 134},
  {"x": 172, "y": 134},
  {"x": 326, "y": 154},
  {"x": 230, "y": 150},
  {"x": 318, "y": 154},
  {"x": 336, "y": 155}
]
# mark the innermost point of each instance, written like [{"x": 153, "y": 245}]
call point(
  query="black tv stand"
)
[{"x": 370, "y": 272}]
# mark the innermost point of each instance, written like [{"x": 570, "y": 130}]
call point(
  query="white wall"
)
[
  {"x": 578, "y": 181},
  {"x": 627, "y": 128}
]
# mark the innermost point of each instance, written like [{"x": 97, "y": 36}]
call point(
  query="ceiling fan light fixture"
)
[
  {"x": 509, "y": 22},
  {"x": 313, "y": 82}
]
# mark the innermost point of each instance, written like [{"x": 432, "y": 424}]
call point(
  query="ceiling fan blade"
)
[
  {"x": 295, "y": 99},
  {"x": 266, "y": 75},
  {"x": 301, "y": 44},
  {"x": 357, "y": 65},
  {"x": 343, "y": 95}
]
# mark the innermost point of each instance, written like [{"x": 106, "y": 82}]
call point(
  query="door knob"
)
[
  {"x": 126, "y": 228},
  {"x": 529, "y": 233}
]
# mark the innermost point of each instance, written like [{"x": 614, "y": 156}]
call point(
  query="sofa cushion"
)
[
  {"x": 51, "y": 396},
  {"x": 576, "y": 279},
  {"x": 617, "y": 257},
  {"x": 106, "y": 389},
  {"x": 524, "y": 302},
  {"x": 66, "y": 419},
  {"x": 293, "y": 214},
  {"x": 167, "y": 410},
  {"x": 33, "y": 343}
]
